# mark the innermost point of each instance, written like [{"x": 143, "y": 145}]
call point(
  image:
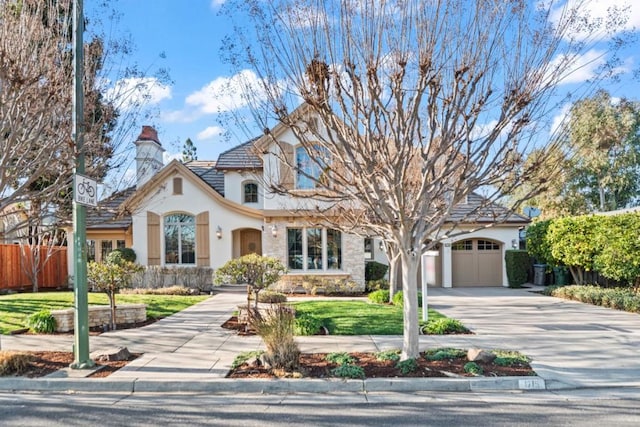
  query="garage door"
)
[{"x": 476, "y": 262}]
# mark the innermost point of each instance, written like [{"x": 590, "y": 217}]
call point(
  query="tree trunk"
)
[
  {"x": 394, "y": 267},
  {"x": 112, "y": 304},
  {"x": 410, "y": 341}
]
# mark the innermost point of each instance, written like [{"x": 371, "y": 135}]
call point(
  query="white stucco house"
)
[{"x": 204, "y": 213}]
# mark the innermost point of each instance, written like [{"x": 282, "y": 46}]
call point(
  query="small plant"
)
[
  {"x": 42, "y": 322},
  {"x": 374, "y": 285},
  {"x": 13, "y": 362},
  {"x": 444, "y": 353},
  {"x": 340, "y": 358},
  {"x": 272, "y": 297},
  {"x": 510, "y": 358},
  {"x": 473, "y": 368},
  {"x": 392, "y": 355},
  {"x": 381, "y": 296},
  {"x": 444, "y": 326},
  {"x": 348, "y": 371},
  {"x": 306, "y": 324},
  {"x": 407, "y": 366},
  {"x": 311, "y": 284},
  {"x": 171, "y": 290},
  {"x": 243, "y": 358}
]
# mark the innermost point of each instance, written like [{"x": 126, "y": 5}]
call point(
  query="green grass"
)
[
  {"x": 14, "y": 309},
  {"x": 357, "y": 317}
]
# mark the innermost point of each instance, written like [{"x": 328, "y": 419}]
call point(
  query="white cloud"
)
[
  {"x": 580, "y": 68},
  {"x": 217, "y": 3},
  {"x": 560, "y": 119},
  {"x": 210, "y": 132},
  {"x": 607, "y": 15},
  {"x": 136, "y": 92},
  {"x": 226, "y": 93}
]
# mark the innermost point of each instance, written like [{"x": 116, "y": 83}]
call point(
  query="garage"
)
[{"x": 476, "y": 262}]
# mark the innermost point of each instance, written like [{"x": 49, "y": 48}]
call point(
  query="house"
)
[{"x": 204, "y": 213}]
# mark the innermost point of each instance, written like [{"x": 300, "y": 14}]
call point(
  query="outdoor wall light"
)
[
  {"x": 274, "y": 230},
  {"x": 514, "y": 244},
  {"x": 219, "y": 232}
]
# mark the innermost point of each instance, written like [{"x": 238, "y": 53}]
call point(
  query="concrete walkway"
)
[{"x": 573, "y": 345}]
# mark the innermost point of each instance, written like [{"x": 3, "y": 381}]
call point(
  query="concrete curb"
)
[{"x": 276, "y": 386}]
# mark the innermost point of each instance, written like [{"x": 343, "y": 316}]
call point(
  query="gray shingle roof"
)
[
  {"x": 479, "y": 210},
  {"x": 243, "y": 156},
  {"x": 209, "y": 173},
  {"x": 105, "y": 215}
]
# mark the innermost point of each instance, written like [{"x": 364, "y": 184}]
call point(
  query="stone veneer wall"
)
[
  {"x": 101, "y": 315},
  {"x": 352, "y": 250}
]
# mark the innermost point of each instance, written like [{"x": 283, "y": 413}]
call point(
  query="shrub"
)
[
  {"x": 125, "y": 254},
  {"x": 620, "y": 248},
  {"x": 340, "y": 358},
  {"x": 473, "y": 368},
  {"x": 517, "y": 264},
  {"x": 374, "y": 285},
  {"x": 306, "y": 324},
  {"x": 13, "y": 362},
  {"x": 374, "y": 270},
  {"x": 407, "y": 366},
  {"x": 574, "y": 243},
  {"x": 398, "y": 299},
  {"x": 276, "y": 329},
  {"x": 537, "y": 244},
  {"x": 393, "y": 355},
  {"x": 510, "y": 358},
  {"x": 42, "y": 322},
  {"x": 444, "y": 326},
  {"x": 616, "y": 298},
  {"x": 348, "y": 371},
  {"x": 310, "y": 284},
  {"x": 444, "y": 354},
  {"x": 171, "y": 290},
  {"x": 271, "y": 297},
  {"x": 381, "y": 296}
]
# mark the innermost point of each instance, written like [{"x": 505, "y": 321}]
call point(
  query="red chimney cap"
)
[{"x": 149, "y": 134}]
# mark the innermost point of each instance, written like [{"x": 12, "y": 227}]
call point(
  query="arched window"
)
[
  {"x": 179, "y": 239},
  {"x": 250, "y": 192}
]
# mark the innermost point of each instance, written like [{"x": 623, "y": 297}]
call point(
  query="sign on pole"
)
[{"x": 85, "y": 190}]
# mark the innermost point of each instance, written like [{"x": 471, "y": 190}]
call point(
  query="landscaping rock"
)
[
  {"x": 111, "y": 354},
  {"x": 479, "y": 355}
]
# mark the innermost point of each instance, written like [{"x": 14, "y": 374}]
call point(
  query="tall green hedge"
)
[
  {"x": 517, "y": 263},
  {"x": 607, "y": 244}
]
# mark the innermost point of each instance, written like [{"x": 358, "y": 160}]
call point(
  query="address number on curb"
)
[{"x": 531, "y": 384}]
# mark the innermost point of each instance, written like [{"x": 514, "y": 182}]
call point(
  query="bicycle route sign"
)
[{"x": 85, "y": 190}]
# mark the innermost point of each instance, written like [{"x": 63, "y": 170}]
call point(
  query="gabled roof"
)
[
  {"x": 106, "y": 214},
  {"x": 243, "y": 156},
  {"x": 209, "y": 173},
  {"x": 478, "y": 210}
]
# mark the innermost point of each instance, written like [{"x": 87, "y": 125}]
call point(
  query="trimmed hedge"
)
[
  {"x": 517, "y": 263},
  {"x": 617, "y": 298},
  {"x": 374, "y": 270}
]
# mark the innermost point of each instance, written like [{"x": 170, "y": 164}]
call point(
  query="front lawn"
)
[
  {"x": 14, "y": 309},
  {"x": 357, "y": 317}
]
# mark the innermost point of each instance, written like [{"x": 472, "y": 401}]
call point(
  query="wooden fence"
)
[{"x": 52, "y": 268}]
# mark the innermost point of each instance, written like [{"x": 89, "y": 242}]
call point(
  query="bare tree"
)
[{"x": 418, "y": 104}]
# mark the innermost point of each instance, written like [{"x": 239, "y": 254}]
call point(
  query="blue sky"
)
[{"x": 189, "y": 34}]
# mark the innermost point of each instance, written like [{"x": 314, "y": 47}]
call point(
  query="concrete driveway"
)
[{"x": 570, "y": 342}]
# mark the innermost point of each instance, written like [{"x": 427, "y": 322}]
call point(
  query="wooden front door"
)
[{"x": 250, "y": 242}]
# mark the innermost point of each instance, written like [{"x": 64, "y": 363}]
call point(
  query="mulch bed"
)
[
  {"x": 315, "y": 365},
  {"x": 46, "y": 362}
]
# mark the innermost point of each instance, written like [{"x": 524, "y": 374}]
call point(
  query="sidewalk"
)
[{"x": 573, "y": 345}]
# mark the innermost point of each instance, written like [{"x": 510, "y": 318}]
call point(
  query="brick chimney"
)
[{"x": 148, "y": 155}]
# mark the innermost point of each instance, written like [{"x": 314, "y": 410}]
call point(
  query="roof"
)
[
  {"x": 105, "y": 215},
  {"x": 209, "y": 173},
  {"x": 243, "y": 156},
  {"x": 148, "y": 134},
  {"x": 479, "y": 210}
]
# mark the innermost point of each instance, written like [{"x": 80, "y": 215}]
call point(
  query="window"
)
[
  {"x": 314, "y": 249},
  {"x": 368, "y": 248},
  {"x": 120, "y": 244},
  {"x": 487, "y": 245},
  {"x": 91, "y": 250},
  {"x": 310, "y": 172},
  {"x": 177, "y": 185},
  {"x": 179, "y": 239},
  {"x": 250, "y": 190},
  {"x": 463, "y": 245},
  {"x": 107, "y": 248}
]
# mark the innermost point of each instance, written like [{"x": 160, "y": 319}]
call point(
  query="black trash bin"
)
[
  {"x": 539, "y": 274},
  {"x": 560, "y": 276}
]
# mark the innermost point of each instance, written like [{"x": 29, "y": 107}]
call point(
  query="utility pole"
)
[{"x": 81, "y": 299}]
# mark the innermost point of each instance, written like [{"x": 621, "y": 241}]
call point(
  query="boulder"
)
[
  {"x": 479, "y": 355},
  {"x": 111, "y": 354}
]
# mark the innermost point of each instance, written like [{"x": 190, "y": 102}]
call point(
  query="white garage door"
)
[{"x": 476, "y": 262}]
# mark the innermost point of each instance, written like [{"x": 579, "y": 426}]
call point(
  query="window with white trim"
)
[
  {"x": 310, "y": 171},
  {"x": 463, "y": 245},
  {"x": 314, "y": 249},
  {"x": 250, "y": 192},
  {"x": 179, "y": 239}
]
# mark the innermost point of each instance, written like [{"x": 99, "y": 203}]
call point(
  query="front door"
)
[{"x": 250, "y": 242}]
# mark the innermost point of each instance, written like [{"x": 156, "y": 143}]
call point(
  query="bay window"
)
[{"x": 314, "y": 249}]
